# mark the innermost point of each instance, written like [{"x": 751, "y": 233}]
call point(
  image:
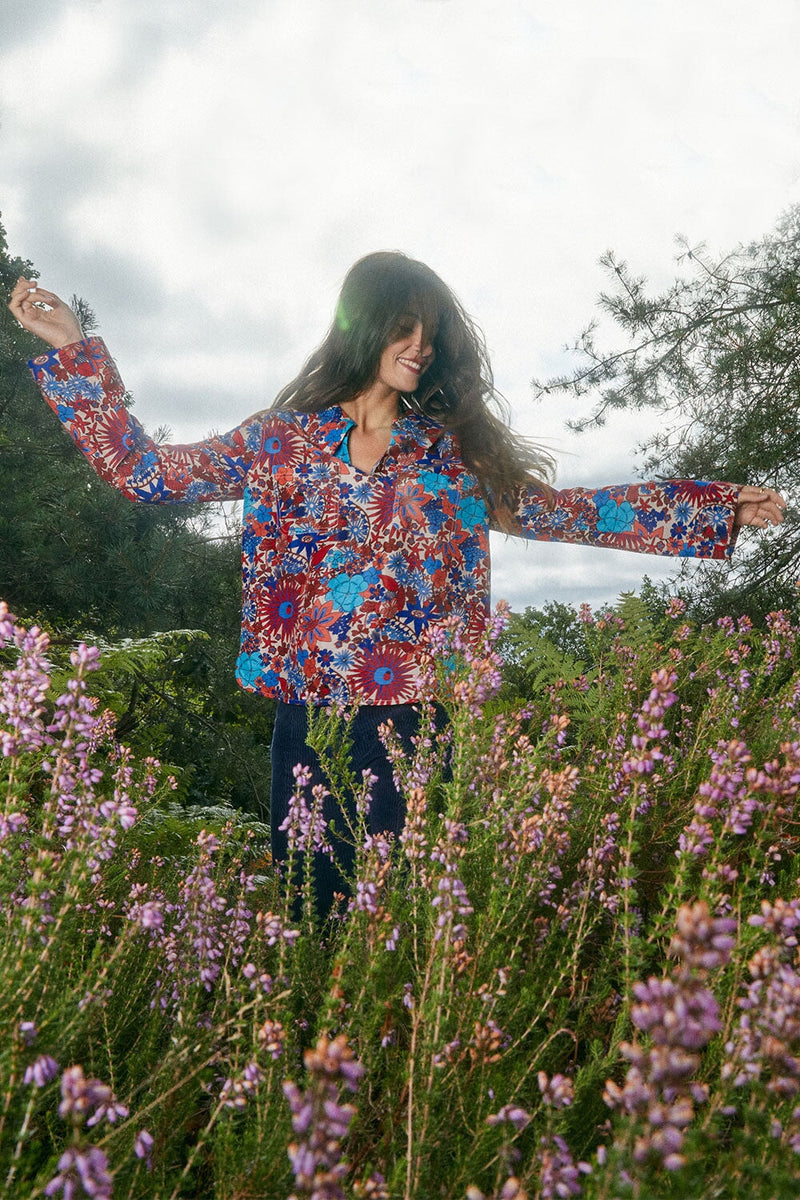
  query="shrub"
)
[{"x": 575, "y": 972}]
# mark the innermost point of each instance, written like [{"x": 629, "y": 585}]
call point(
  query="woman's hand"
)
[
  {"x": 760, "y": 507},
  {"x": 43, "y": 313}
]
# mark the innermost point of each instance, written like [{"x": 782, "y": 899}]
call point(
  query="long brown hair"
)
[{"x": 457, "y": 389}]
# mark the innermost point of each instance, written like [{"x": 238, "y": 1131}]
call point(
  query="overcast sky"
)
[{"x": 205, "y": 173}]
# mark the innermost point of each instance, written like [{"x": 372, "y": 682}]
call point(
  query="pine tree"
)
[
  {"x": 70, "y": 546},
  {"x": 85, "y": 562}
]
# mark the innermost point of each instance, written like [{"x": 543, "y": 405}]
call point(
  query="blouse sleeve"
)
[
  {"x": 685, "y": 518},
  {"x": 81, "y": 384}
]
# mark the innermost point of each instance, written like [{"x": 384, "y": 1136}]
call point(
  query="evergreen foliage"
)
[
  {"x": 82, "y": 560},
  {"x": 74, "y": 549}
]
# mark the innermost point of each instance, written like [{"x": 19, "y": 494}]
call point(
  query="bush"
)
[{"x": 574, "y": 973}]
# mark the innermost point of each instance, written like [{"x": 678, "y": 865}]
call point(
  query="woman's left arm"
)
[{"x": 686, "y": 518}]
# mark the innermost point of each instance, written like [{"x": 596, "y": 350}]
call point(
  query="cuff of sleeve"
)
[
  {"x": 732, "y": 501},
  {"x": 87, "y": 358},
  {"x": 67, "y": 354}
]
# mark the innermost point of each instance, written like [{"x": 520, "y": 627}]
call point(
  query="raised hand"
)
[
  {"x": 44, "y": 314},
  {"x": 761, "y": 507}
]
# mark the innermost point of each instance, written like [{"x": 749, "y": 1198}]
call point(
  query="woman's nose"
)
[{"x": 421, "y": 342}]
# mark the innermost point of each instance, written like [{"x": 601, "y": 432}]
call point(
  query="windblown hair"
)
[{"x": 379, "y": 293}]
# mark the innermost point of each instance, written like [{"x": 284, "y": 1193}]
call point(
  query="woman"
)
[{"x": 369, "y": 488}]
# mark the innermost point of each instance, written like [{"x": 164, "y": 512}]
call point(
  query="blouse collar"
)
[{"x": 333, "y": 426}]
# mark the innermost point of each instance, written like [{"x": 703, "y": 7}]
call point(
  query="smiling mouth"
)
[{"x": 412, "y": 364}]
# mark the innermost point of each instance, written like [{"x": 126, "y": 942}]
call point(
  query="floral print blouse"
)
[{"x": 344, "y": 573}]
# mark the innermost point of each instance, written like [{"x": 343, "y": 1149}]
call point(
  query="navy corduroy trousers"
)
[{"x": 387, "y": 809}]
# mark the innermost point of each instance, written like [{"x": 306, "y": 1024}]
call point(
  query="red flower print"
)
[
  {"x": 410, "y": 497},
  {"x": 280, "y": 606},
  {"x": 696, "y": 491},
  {"x": 281, "y": 444},
  {"x": 315, "y": 623},
  {"x": 381, "y": 504},
  {"x": 87, "y": 358},
  {"x": 385, "y": 675},
  {"x": 114, "y": 436}
]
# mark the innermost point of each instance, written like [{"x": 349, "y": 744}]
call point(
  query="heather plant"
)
[{"x": 575, "y": 972}]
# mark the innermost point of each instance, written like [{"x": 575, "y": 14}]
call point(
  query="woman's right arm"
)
[{"x": 80, "y": 382}]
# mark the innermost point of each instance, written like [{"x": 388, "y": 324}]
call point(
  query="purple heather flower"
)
[
  {"x": 28, "y": 1032},
  {"x": 320, "y": 1121},
  {"x": 702, "y": 942},
  {"x": 560, "y": 1175},
  {"x": 80, "y": 1096},
  {"x": 769, "y": 1028},
  {"x": 781, "y": 918},
  {"x": 87, "y": 1166},
  {"x": 680, "y": 1015},
  {"x": 273, "y": 930},
  {"x": 24, "y": 688},
  {"x": 143, "y": 1147},
  {"x": 391, "y": 941},
  {"x": 208, "y": 931},
  {"x": 234, "y": 1092},
  {"x": 510, "y": 1114},
  {"x": 372, "y": 1188},
  {"x": 148, "y": 915},
  {"x": 557, "y": 1092},
  {"x": 650, "y": 725},
  {"x": 40, "y": 1072},
  {"x": 12, "y": 823},
  {"x": 305, "y": 826},
  {"x": 107, "y": 1106},
  {"x": 271, "y": 1037}
]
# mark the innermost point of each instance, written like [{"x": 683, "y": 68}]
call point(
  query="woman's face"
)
[{"x": 407, "y": 356}]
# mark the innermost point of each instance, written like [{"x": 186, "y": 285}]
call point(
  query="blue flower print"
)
[
  {"x": 419, "y": 616},
  {"x": 472, "y": 512},
  {"x": 320, "y": 472},
  {"x": 315, "y": 505},
  {"x": 471, "y": 553},
  {"x": 434, "y": 483},
  {"x": 145, "y": 469},
  {"x": 93, "y": 390},
  {"x": 305, "y": 539},
  {"x": 435, "y": 517},
  {"x": 343, "y": 660},
  {"x": 347, "y": 591},
  {"x": 196, "y": 490},
  {"x": 616, "y": 518},
  {"x": 338, "y": 557},
  {"x": 250, "y": 668},
  {"x": 650, "y": 520}
]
